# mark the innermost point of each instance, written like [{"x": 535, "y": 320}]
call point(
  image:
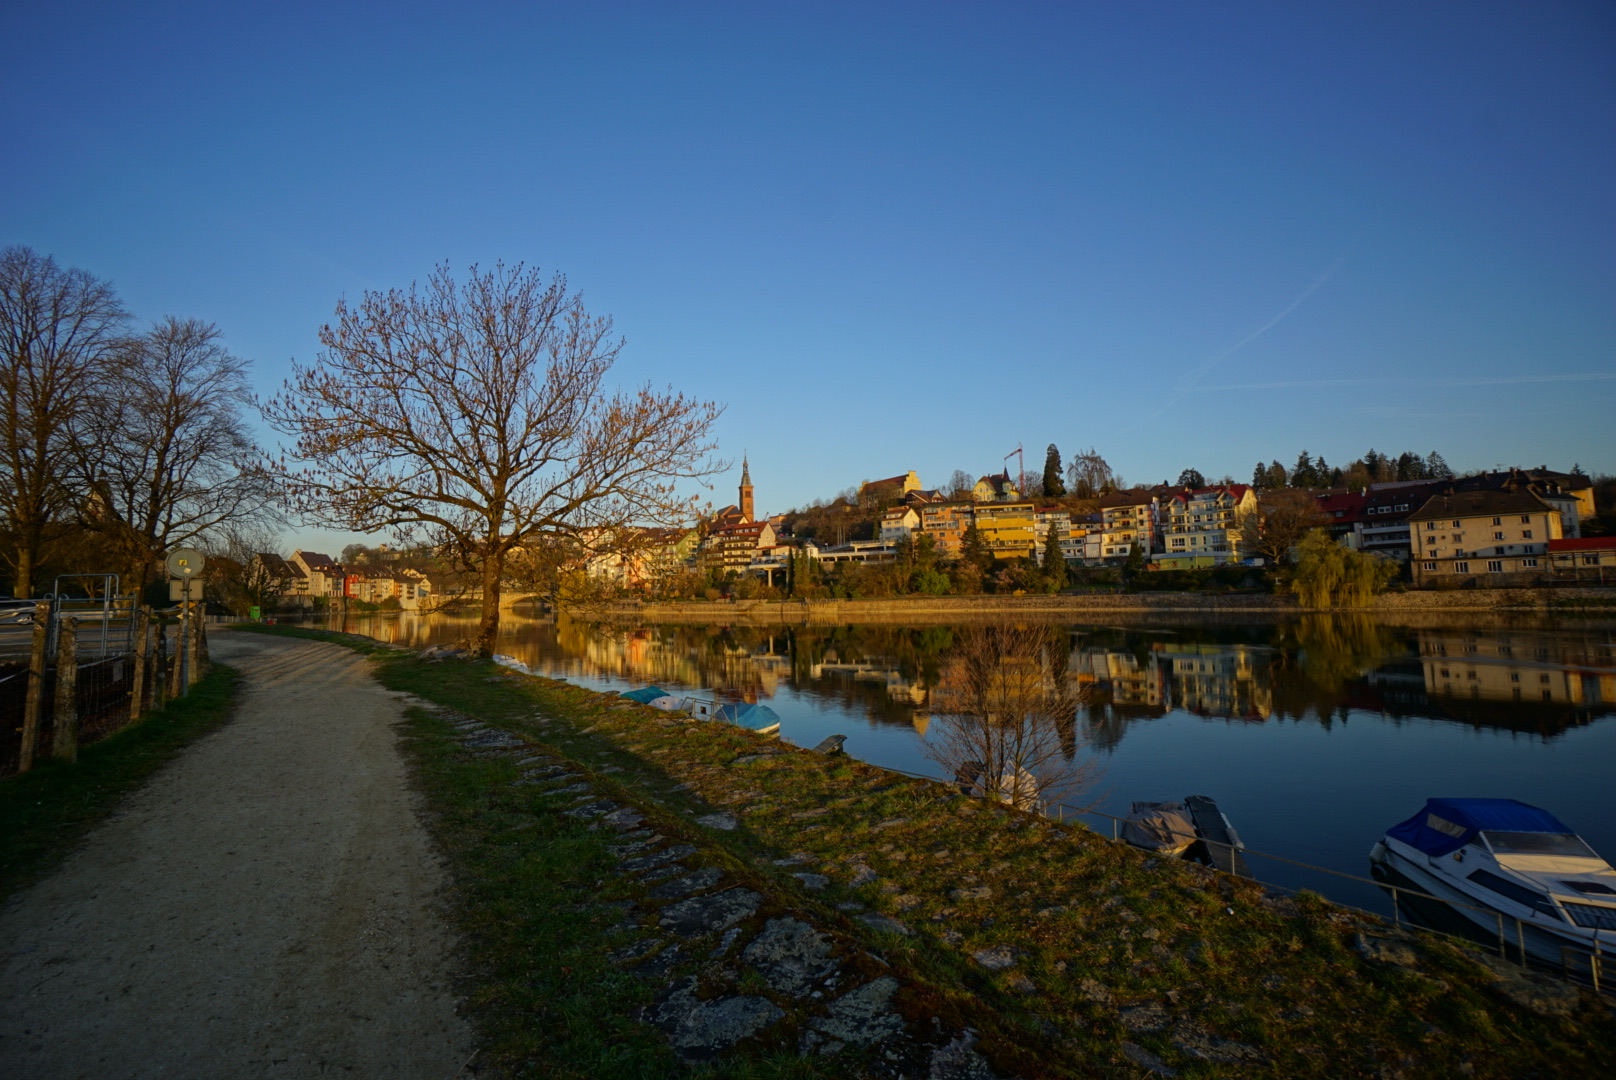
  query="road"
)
[{"x": 267, "y": 905}]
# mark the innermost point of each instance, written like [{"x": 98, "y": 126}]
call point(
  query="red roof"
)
[{"x": 1586, "y": 543}]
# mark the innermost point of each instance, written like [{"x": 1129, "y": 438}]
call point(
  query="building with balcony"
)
[
  {"x": 1127, "y": 518},
  {"x": 1007, "y": 529},
  {"x": 1202, "y": 528}
]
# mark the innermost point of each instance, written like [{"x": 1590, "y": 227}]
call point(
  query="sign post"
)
[{"x": 184, "y": 564}]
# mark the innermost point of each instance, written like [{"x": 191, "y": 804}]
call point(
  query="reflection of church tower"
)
[{"x": 746, "y": 490}]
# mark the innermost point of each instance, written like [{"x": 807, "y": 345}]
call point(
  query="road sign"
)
[
  {"x": 185, "y": 563},
  {"x": 255, "y": 613}
]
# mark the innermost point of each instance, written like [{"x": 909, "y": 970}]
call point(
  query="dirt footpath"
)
[{"x": 265, "y": 906}]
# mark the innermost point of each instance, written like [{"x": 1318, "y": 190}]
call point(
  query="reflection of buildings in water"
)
[
  {"x": 898, "y": 688},
  {"x": 1217, "y": 680},
  {"x": 1558, "y": 668},
  {"x": 1120, "y": 677}
]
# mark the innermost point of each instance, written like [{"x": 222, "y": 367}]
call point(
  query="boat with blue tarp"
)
[
  {"x": 645, "y": 696},
  {"x": 758, "y": 718},
  {"x": 1506, "y": 863}
]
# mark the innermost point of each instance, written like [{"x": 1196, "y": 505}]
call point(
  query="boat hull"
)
[{"x": 1540, "y": 943}]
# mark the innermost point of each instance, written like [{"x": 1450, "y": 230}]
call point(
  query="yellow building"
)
[
  {"x": 946, "y": 523},
  {"x": 1008, "y": 529},
  {"x": 1486, "y": 535},
  {"x": 1127, "y": 518}
]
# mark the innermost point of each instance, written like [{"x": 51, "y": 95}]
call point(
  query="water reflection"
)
[{"x": 1318, "y": 669}]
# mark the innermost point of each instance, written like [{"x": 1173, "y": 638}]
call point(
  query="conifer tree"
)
[
  {"x": 1437, "y": 467},
  {"x": 1302, "y": 475},
  {"x": 1259, "y": 477},
  {"x": 1054, "y": 562},
  {"x": 1054, "y": 482}
]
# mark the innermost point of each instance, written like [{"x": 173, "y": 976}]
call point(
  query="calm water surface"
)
[{"x": 1313, "y": 735}]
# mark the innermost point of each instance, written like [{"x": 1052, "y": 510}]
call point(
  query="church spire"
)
[{"x": 746, "y": 490}]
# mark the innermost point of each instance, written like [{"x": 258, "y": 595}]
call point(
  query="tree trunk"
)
[
  {"x": 488, "y": 624},
  {"x": 36, "y": 687},
  {"x": 23, "y": 587},
  {"x": 65, "y": 734}
]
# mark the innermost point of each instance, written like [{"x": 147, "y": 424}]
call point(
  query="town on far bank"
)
[{"x": 1077, "y": 529}]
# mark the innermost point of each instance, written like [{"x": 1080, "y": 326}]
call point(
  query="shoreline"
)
[{"x": 1510, "y": 605}]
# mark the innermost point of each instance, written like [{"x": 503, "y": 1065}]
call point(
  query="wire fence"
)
[{"x": 124, "y": 661}]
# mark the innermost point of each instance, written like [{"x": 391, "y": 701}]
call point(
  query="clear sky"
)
[{"x": 891, "y": 236}]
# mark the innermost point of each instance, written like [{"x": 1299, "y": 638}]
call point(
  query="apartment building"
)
[
  {"x": 1008, "y": 529},
  {"x": 946, "y": 523},
  {"x": 1202, "y": 527},
  {"x": 1127, "y": 518},
  {"x": 1483, "y": 536}
]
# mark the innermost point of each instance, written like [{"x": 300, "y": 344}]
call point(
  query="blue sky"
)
[{"x": 891, "y": 236}]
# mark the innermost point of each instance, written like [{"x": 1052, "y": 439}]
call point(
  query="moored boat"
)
[{"x": 1505, "y": 864}]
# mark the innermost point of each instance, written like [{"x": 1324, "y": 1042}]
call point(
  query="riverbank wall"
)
[{"x": 1511, "y": 604}]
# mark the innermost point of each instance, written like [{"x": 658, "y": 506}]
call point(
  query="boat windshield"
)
[
  {"x": 1539, "y": 843},
  {"x": 1592, "y": 916}
]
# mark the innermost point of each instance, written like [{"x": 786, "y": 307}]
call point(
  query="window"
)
[
  {"x": 1526, "y": 519},
  {"x": 1548, "y": 695},
  {"x": 1590, "y": 560},
  {"x": 1471, "y": 674},
  {"x": 1461, "y": 568},
  {"x": 1543, "y": 678},
  {"x": 1430, "y": 526},
  {"x": 1455, "y": 524},
  {"x": 1519, "y": 893},
  {"x": 1498, "y": 536},
  {"x": 1445, "y": 673},
  {"x": 1591, "y": 916},
  {"x": 1431, "y": 566},
  {"x": 1498, "y": 521},
  {"x": 1526, "y": 534},
  {"x": 1514, "y": 676},
  {"x": 1495, "y": 566},
  {"x": 1530, "y": 564}
]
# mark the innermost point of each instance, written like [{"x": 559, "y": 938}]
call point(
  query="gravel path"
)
[{"x": 263, "y": 907}]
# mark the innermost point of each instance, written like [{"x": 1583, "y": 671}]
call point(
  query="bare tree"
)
[
  {"x": 1088, "y": 476},
  {"x": 475, "y": 412},
  {"x": 960, "y": 484},
  {"x": 171, "y": 457},
  {"x": 238, "y": 575},
  {"x": 1282, "y": 518},
  {"x": 57, "y": 328},
  {"x": 1007, "y": 725}
]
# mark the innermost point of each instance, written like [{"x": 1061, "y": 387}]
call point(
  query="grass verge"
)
[
  {"x": 1070, "y": 955},
  {"x": 44, "y": 811}
]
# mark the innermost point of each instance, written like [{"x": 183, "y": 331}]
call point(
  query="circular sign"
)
[{"x": 185, "y": 563}]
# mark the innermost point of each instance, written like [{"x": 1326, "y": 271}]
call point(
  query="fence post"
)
[
  {"x": 202, "y": 637},
  {"x": 65, "y": 735},
  {"x": 137, "y": 679},
  {"x": 160, "y": 666},
  {"x": 193, "y": 666},
  {"x": 36, "y": 686}
]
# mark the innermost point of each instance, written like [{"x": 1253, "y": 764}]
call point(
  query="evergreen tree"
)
[
  {"x": 1576, "y": 470},
  {"x": 1136, "y": 559},
  {"x": 1337, "y": 477},
  {"x": 1277, "y": 476},
  {"x": 1259, "y": 477},
  {"x": 1302, "y": 476},
  {"x": 1436, "y": 467},
  {"x": 972, "y": 549},
  {"x": 1054, "y": 482},
  {"x": 1191, "y": 478},
  {"x": 1321, "y": 472},
  {"x": 1054, "y": 563}
]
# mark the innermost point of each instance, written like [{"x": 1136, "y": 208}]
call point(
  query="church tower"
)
[{"x": 746, "y": 490}]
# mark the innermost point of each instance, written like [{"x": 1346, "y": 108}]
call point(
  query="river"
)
[{"x": 1313, "y": 734}]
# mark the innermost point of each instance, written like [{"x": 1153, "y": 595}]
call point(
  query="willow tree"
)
[
  {"x": 475, "y": 414},
  {"x": 1329, "y": 574}
]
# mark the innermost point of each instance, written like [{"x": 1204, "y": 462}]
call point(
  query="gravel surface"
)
[{"x": 265, "y": 906}]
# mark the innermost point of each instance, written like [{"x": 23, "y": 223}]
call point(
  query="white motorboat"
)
[{"x": 1513, "y": 861}]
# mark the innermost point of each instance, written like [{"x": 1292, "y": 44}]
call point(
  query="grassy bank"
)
[
  {"x": 45, "y": 810},
  {"x": 1068, "y": 955}
]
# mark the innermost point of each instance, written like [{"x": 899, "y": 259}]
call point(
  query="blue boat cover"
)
[
  {"x": 646, "y": 696},
  {"x": 756, "y": 717},
  {"x": 1449, "y": 824}
]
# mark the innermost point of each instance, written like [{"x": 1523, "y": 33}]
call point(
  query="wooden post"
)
[
  {"x": 160, "y": 667},
  {"x": 65, "y": 735},
  {"x": 202, "y": 636},
  {"x": 137, "y": 680},
  {"x": 193, "y": 660},
  {"x": 36, "y": 686}
]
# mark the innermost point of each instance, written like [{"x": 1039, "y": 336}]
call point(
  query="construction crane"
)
[{"x": 1021, "y": 465}]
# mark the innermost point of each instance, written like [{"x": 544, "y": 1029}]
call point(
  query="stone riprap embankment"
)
[{"x": 732, "y": 964}]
